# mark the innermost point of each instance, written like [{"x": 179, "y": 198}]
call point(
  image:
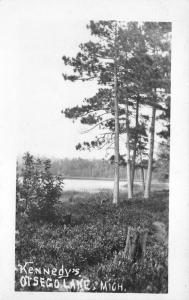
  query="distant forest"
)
[
  {"x": 79, "y": 167},
  {"x": 96, "y": 168}
]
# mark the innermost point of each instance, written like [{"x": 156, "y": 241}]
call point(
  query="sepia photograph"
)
[{"x": 92, "y": 159}]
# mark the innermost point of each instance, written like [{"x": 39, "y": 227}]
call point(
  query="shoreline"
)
[{"x": 110, "y": 179}]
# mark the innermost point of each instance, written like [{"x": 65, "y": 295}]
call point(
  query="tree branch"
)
[{"x": 88, "y": 130}]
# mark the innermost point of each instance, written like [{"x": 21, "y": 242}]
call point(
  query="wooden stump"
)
[{"x": 135, "y": 248}]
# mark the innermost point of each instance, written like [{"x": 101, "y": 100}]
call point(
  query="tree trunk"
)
[
  {"x": 135, "y": 248},
  {"x": 129, "y": 179},
  {"x": 142, "y": 177},
  {"x": 135, "y": 145},
  {"x": 151, "y": 151},
  {"x": 116, "y": 139},
  {"x": 142, "y": 173}
]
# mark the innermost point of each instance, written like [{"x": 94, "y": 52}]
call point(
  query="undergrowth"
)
[{"x": 91, "y": 236}]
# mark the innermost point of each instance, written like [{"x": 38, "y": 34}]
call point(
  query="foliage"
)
[
  {"x": 86, "y": 168},
  {"x": 131, "y": 64},
  {"x": 162, "y": 163},
  {"x": 96, "y": 232},
  {"x": 101, "y": 168},
  {"x": 39, "y": 190},
  {"x": 147, "y": 276}
]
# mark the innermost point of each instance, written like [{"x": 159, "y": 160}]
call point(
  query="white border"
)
[{"x": 147, "y": 10}]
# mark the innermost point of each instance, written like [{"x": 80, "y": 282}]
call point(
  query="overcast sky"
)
[
  {"x": 41, "y": 90},
  {"x": 38, "y": 41},
  {"x": 34, "y": 36},
  {"x": 37, "y": 44}
]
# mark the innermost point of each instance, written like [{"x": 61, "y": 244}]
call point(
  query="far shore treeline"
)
[{"x": 97, "y": 168}]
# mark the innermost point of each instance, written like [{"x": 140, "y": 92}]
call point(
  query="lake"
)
[{"x": 96, "y": 185}]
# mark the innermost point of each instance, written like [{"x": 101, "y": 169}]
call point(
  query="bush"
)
[
  {"x": 147, "y": 276},
  {"x": 39, "y": 190}
]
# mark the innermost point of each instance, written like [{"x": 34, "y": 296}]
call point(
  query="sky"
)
[
  {"x": 42, "y": 127},
  {"x": 33, "y": 43},
  {"x": 36, "y": 47},
  {"x": 42, "y": 91},
  {"x": 37, "y": 44}
]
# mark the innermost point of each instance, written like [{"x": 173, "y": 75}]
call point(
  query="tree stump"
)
[{"x": 135, "y": 247}]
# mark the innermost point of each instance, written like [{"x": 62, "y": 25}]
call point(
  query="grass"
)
[{"x": 89, "y": 239}]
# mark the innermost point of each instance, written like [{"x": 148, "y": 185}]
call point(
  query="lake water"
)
[{"x": 94, "y": 185}]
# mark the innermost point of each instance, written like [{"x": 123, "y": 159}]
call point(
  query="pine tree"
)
[
  {"x": 99, "y": 60},
  {"x": 158, "y": 85},
  {"x": 131, "y": 66}
]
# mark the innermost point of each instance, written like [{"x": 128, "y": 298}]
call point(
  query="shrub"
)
[
  {"x": 96, "y": 233},
  {"x": 147, "y": 276},
  {"x": 39, "y": 190}
]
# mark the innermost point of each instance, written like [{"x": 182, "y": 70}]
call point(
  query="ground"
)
[{"x": 86, "y": 233}]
